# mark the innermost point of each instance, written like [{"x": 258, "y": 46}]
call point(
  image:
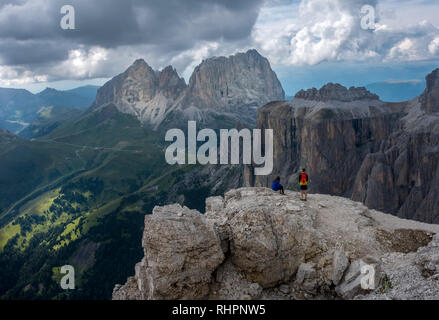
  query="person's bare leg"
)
[
  {"x": 306, "y": 195},
  {"x": 301, "y": 194}
]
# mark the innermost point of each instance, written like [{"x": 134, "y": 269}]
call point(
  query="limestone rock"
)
[
  {"x": 251, "y": 245},
  {"x": 352, "y": 283},
  {"x": 230, "y": 284},
  {"x": 180, "y": 255},
  {"x": 285, "y": 289},
  {"x": 340, "y": 263},
  {"x": 307, "y": 277}
]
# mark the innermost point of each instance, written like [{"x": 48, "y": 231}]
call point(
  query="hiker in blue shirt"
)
[{"x": 276, "y": 186}]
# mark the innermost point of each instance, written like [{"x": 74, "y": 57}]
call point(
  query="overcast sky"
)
[{"x": 308, "y": 42}]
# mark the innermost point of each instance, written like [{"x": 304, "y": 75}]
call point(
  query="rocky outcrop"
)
[
  {"x": 382, "y": 154},
  {"x": 337, "y": 92},
  {"x": 254, "y": 243},
  {"x": 430, "y": 98},
  {"x": 171, "y": 266},
  {"x": 409, "y": 276},
  {"x": 221, "y": 92}
]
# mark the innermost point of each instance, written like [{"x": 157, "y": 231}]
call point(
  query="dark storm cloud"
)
[
  {"x": 30, "y": 33},
  {"x": 33, "y": 52}
]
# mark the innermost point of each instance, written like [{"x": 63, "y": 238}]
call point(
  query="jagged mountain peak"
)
[
  {"x": 48, "y": 90},
  {"x": 170, "y": 76},
  {"x": 234, "y": 85},
  {"x": 140, "y": 68},
  {"x": 140, "y": 63},
  {"x": 336, "y": 92},
  {"x": 143, "y": 92},
  {"x": 251, "y": 53}
]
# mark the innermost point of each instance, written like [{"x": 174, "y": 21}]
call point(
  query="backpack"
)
[{"x": 303, "y": 179}]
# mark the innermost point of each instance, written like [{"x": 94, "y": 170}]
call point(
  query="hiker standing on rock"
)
[{"x": 303, "y": 183}]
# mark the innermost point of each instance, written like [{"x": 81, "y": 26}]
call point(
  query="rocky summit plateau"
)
[{"x": 254, "y": 243}]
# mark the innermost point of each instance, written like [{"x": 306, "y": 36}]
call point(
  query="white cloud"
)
[
  {"x": 330, "y": 30},
  {"x": 433, "y": 47},
  {"x": 288, "y": 33},
  {"x": 10, "y": 77},
  {"x": 82, "y": 63}
]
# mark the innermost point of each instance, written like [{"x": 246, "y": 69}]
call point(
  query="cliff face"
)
[
  {"x": 330, "y": 142},
  {"x": 354, "y": 145},
  {"x": 257, "y": 244},
  {"x": 221, "y": 91},
  {"x": 430, "y": 98},
  {"x": 402, "y": 177},
  {"x": 235, "y": 87}
]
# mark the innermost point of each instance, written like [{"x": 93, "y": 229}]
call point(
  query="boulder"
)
[
  {"x": 306, "y": 277},
  {"x": 360, "y": 276},
  {"x": 181, "y": 252},
  {"x": 339, "y": 265}
]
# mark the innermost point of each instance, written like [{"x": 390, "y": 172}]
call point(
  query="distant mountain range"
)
[
  {"x": 221, "y": 92},
  {"x": 392, "y": 90},
  {"x": 170, "y": 97},
  {"x": 79, "y": 98},
  {"x": 19, "y": 108},
  {"x": 397, "y": 91}
]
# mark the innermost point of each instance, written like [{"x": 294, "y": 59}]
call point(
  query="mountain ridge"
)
[
  {"x": 231, "y": 87},
  {"x": 19, "y": 107}
]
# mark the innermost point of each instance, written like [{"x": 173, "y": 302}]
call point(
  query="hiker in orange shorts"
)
[{"x": 303, "y": 183}]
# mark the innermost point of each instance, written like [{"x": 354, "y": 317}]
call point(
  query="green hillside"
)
[{"x": 102, "y": 173}]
